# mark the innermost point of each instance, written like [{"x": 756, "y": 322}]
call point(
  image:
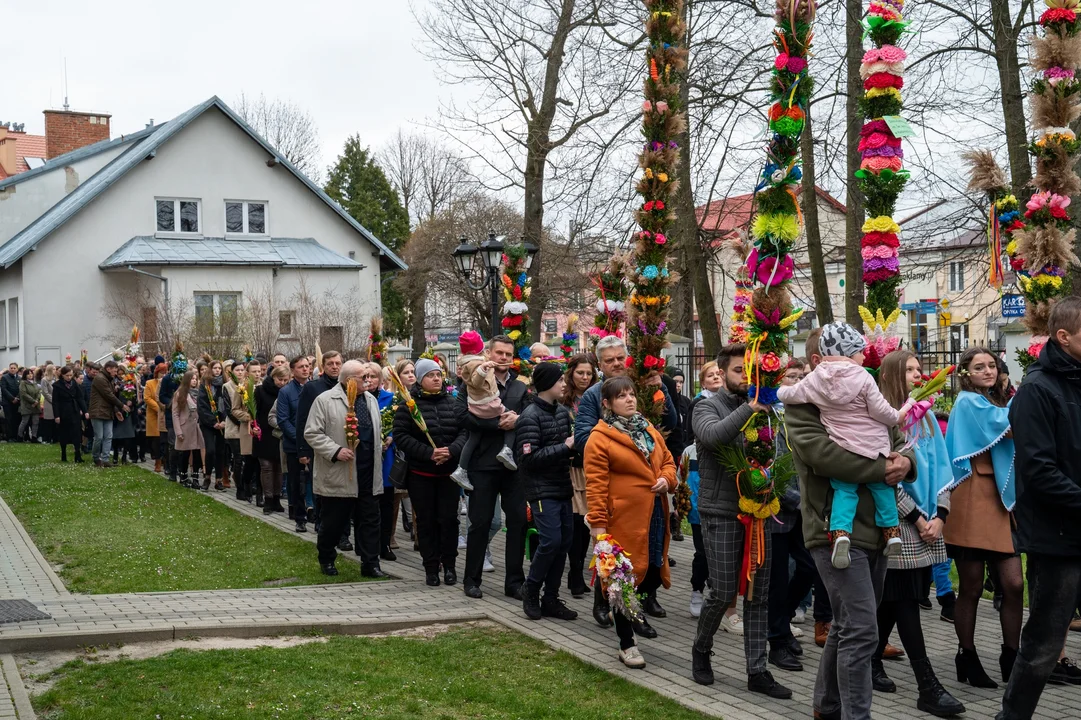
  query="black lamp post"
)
[{"x": 491, "y": 257}]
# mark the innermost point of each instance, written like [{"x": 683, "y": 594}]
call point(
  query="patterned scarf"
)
[{"x": 636, "y": 426}]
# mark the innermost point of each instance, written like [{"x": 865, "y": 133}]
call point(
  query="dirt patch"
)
[{"x": 38, "y": 669}]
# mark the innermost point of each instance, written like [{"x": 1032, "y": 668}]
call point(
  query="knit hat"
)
[
  {"x": 546, "y": 375},
  {"x": 841, "y": 340},
  {"x": 425, "y": 366},
  {"x": 471, "y": 343}
]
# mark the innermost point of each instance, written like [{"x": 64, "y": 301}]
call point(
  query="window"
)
[
  {"x": 958, "y": 337},
  {"x": 216, "y": 314},
  {"x": 244, "y": 217},
  {"x": 285, "y": 323},
  {"x": 549, "y": 326},
  {"x": 957, "y": 277},
  {"x": 178, "y": 216},
  {"x": 3, "y": 323},
  {"x": 13, "y": 322}
]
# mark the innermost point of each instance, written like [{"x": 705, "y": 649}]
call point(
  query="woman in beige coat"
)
[
  {"x": 189, "y": 438},
  {"x": 238, "y": 435}
]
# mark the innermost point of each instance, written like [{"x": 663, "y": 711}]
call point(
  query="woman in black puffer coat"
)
[
  {"x": 266, "y": 447},
  {"x": 433, "y": 494}
]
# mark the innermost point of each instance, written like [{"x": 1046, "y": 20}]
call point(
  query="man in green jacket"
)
[{"x": 843, "y": 686}]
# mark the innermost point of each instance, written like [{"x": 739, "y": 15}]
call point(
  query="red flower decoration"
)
[
  {"x": 517, "y": 292},
  {"x": 650, "y": 361},
  {"x": 1057, "y": 15}
]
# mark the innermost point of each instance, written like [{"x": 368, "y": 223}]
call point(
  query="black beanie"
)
[{"x": 546, "y": 375}]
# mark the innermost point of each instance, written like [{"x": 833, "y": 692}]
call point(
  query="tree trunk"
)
[
  {"x": 707, "y": 311},
  {"x": 853, "y": 197},
  {"x": 1013, "y": 98},
  {"x": 823, "y": 306},
  {"x": 416, "y": 312},
  {"x": 532, "y": 229}
]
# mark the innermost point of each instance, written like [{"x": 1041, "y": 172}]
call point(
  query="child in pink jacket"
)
[{"x": 858, "y": 418}]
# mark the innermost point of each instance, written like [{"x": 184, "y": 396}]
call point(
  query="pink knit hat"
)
[{"x": 471, "y": 343}]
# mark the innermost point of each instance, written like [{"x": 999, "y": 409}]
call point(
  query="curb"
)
[
  {"x": 68, "y": 641},
  {"x": 58, "y": 585},
  {"x": 19, "y": 697}
]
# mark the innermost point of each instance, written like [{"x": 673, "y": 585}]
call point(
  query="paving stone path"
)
[{"x": 405, "y": 600}]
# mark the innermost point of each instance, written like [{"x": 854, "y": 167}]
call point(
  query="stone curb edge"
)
[
  {"x": 19, "y": 697},
  {"x": 58, "y": 585}
]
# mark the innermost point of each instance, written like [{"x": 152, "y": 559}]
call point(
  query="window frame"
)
[
  {"x": 292, "y": 315},
  {"x": 12, "y": 305},
  {"x": 216, "y": 312},
  {"x": 244, "y": 209},
  {"x": 955, "y": 281},
  {"x": 175, "y": 232},
  {"x": 3, "y": 324}
]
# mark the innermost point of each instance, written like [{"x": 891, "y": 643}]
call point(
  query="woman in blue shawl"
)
[
  {"x": 980, "y": 499},
  {"x": 921, "y": 515}
]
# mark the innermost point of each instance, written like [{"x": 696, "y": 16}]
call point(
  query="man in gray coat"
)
[
  {"x": 719, "y": 421},
  {"x": 347, "y": 482}
]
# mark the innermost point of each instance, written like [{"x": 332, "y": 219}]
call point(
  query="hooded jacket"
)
[
  {"x": 1046, "y": 421},
  {"x": 540, "y": 449},
  {"x": 209, "y": 415}
]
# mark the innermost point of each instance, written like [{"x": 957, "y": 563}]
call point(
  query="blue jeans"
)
[
  {"x": 103, "y": 439},
  {"x": 845, "y": 500},
  {"x": 941, "y": 573},
  {"x": 554, "y": 521},
  {"x": 1052, "y": 588}
]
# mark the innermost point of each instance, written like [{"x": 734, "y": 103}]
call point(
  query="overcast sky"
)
[{"x": 352, "y": 64}]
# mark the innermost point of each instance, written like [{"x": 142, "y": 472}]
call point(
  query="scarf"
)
[
  {"x": 977, "y": 426},
  {"x": 636, "y": 426},
  {"x": 933, "y": 471}
]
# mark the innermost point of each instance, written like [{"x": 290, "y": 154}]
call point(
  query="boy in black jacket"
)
[
  {"x": 542, "y": 448},
  {"x": 1046, "y": 420}
]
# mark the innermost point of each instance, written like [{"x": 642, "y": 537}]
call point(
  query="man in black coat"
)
[
  {"x": 1046, "y": 421},
  {"x": 9, "y": 388},
  {"x": 490, "y": 478},
  {"x": 544, "y": 443},
  {"x": 89, "y": 373},
  {"x": 332, "y": 365}
]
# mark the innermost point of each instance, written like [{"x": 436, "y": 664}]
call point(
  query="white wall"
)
[
  {"x": 11, "y": 286},
  {"x": 27, "y": 200},
  {"x": 212, "y": 159}
]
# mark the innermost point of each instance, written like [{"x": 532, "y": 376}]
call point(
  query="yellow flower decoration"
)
[
  {"x": 514, "y": 334},
  {"x": 882, "y": 223},
  {"x": 663, "y": 177},
  {"x": 878, "y": 322},
  {"x": 1052, "y": 280},
  {"x": 879, "y": 92},
  {"x": 1003, "y": 202},
  {"x": 791, "y": 319},
  {"x": 1011, "y": 247},
  {"x": 751, "y": 434},
  {"x": 779, "y": 226},
  {"x": 648, "y": 174},
  {"x": 507, "y": 295}
]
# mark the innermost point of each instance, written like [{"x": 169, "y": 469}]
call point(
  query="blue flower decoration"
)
[
  {"x": 1008, "y": 217},
  {"x": 664, "y": 272},
  {"x": 650, "y": 272},
  {"x": 521, "y": 279},
  {"x": 796, "y": 173},
  {"x": 766, "y": 395},
  {"x": 525, "y": 354}
]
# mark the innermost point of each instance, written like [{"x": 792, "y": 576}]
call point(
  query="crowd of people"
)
[{"x": 882, "y": 509}]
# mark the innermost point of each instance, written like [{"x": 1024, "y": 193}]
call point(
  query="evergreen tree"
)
[{"x": 358, "y": 183}]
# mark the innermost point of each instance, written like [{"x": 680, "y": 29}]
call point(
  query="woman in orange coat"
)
[
  {"x": 629, "y": 473},
  {"x": 155, "y": 415}
]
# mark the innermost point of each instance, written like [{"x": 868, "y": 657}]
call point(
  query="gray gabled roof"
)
[
  {"x": 146, "y": 250},
  {"x": 57, "y": 215},
  {"x": 82, "y": 153}
]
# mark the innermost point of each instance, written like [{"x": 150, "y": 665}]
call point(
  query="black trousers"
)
[
  {"x": 64, "y": 451},
  {"x": 386, "y": 518},
  {"x": 337, "y": 512},
  {"x": 576, "y": 557},
  {"x": 1053, "y": 584},
  {"x": 648, "y": 586},
  {"x": 299, "y": 477},
  {"x": 367, "y": 525},
  {"x": 215, "y": 451},
  {"x": 12, "y": 418},
  {"x": 699, "y": 565},
  {"x": 435, "y": 517},
  {"x": 510, "y": 488},
  {"x": 786, "y": 593}
]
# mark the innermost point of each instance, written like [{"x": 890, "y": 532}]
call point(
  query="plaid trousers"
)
[{"x": 723, "y": 537}]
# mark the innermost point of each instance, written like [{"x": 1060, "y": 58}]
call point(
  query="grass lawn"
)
[
  {"x": 129, "y": 530},
  {"x": 478, "y": 672}
]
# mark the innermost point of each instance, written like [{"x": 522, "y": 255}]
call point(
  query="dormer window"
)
[
  {"x": 178, "y": 216},
  {"x": 245, "y": 217}
]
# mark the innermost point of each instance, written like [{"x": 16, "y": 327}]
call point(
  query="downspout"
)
[{"x": 164, "y": 280}]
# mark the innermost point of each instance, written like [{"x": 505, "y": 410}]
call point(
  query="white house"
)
[{"x": 198, "y": 221}]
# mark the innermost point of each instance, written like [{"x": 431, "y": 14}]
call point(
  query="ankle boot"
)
[
  {"x": 1006, "y": 661},
  {"x": 933, "y": 697},
  {"x": 601, "y": 610},
  {"x": 206, "y": 482},
  {"x": 970, "y": 669},
  {"x": 880, "y": 681},
  {"x": 157, "y": 465}
]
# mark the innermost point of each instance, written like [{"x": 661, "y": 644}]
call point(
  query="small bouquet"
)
[
  {"x": 386, "y": 416},
  {"x": 352, "y": 435},
  {"x": 682, "y": 496},
  {"x": 921, "y": 400},
  {"x": 612, "y": 564},
  {"x": 377, "y": 343},
  {"x": 247, "y": 394}
]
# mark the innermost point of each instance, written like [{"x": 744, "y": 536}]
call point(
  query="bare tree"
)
[{"x": 287, "y": 127}]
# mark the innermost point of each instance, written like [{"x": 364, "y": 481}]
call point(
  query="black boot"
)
[
  {"x": 933, "y": 697},
  {"x": 880, "y": 681},
  {"x": 642, "y": 628},
  {"x": 652, "y": 607},
  {"x": 947, "y": 602},
  {"x": 970, "y": 669},
  {"x": 1006, "y": 661},
  {"x": 531, "y": 600},
  {"x": 602, "y": 613},
  {"x": 206, "y": 482},
  {"x": 701, "y": 668}
]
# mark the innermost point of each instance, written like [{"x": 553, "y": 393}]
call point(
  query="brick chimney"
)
[
  {"x": 7, "y": 151},
  {"x": 67, "y": 130}
]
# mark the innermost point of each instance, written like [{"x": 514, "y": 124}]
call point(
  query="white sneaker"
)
[
  {"x": 488, "y": 566},
  {"x": 632, "y": 658},
  {"x": 796, "y": 632},
  {"x": 461, "y": 477},
  {"x": 894, "y": 546},
  {"x": 732, "y": 624},
  {"x": 800, "y": 617},
  {"x": 506, "y": 456},
  {"x": 696, "y": 603},
  {"x": 461, "y": 542},
  {"x": 840, "y": 558}
]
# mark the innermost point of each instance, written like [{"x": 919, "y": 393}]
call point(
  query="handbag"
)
[{"x": 399, "y": 471}]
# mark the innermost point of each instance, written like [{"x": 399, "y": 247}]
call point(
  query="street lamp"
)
[
  {"x": 530, "y": 251},
  {"x": 491, "y": 255}
]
